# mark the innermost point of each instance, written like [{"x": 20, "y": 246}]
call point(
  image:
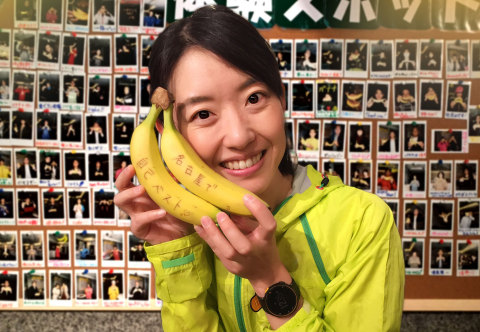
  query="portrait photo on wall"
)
[
  {"x": 6, "y": 162},
  {"x": 34, "y": 285},
  {"x": 51, "y": 14},
  {"x": 26, "y": 11},
  {"x": 123, "y": 127},
  {"x": 48, "y": 50},
  {"x": 331, "y": 57},
  {"x": 78, "y": 204},
  {"x": 388, "y": 173},
  {"x": 50, "y": 167},
  {"x": 153, "y": 14},
  {"x": 48, "y": 90},
  {"x": 74, "y": 165},
  {"x": 394, "y": 206},
  {"x": 146, "y": 42},
  {"x": 23, "y": 86},
  {"x": 5, "y": 48},
  {"x": 112, "y": 286},
  {"x": 73, "y": 91},
  {"x": 414, "y": 175},
  {"x": 22, "y": 123},
  {"x": 145, "y": 88},
  {"x": 60, "y": 285},
  {"x": 9, "y": 285},
  {"x": 475, "y": 72},
  {"x": 442, "y": 214},
  {"x": 129, "y": 13},
  {"x": 473, "y": 125},
  {"x": 405, "y": 100},
  {"x": 5, "y": 87},
  {"x": 26, "y": 165},
  {"x": 361, "y": 174},
  {"x": 5, "y": 127},
  {"x": 334, "y": 137},
  {"x": 27, "y": 204},
  {"x": 103, "y": 15},
  {"x": 352, "y": 98},
  {"x": 415, "y": 217},
  {"x": 85, "y": 247},
  {"x": 306, "y": 58},
  {"x": 441, "y": 257},
  {"x": 86, "y": 286},
  {"x": 98, "y": 167},
  {"x": 413, "y": 253},
  {"x": 71, "y": 125},
  {"x": 415, "y": 135},
  {"x": 406, "y": 55},
  {"x": 7, "y": 206},
  {"x": 378, "y": 98},
  {"x": 466, "y": 173},
  {"x": 126, "y": 50},
  {"x": 103, "y": 205},
  {"x": 431, "y": 58},
  {"x": 467, "y": 257},
  {"x": 308, "y": 135},
  {"x": 53, "y": 205},
  {"x": 381, "y": 58},
  {"x": 24, "y": 42},
  {"x": 449, "y": 140},
  {"x": 458, "y": 99},
  {"x": 360, "y": 137},
  {"x": 32, "y": 246},
  {"x": 457, "y": 53},
  {"x": 283, "y": 50},
  {"x": 335, "y": 168},
  {"x": 125, "y": 92},
  {"x": 78, "y": 14},
  {"x": 431, "y": 98},
  {"x": 468, "y": 216},
  {"x": 73, "y": 53},
  {"x": 327, "y": 96},
  {"x": 356, "y": 58},
  {"x": 47, "y": 126},
  {"x": 99, "y": 92},
  {"x": 138, "y": 285},
  {"x": 58, "y": 248},
  {"x": 99, "y": 54},
  {"x": 120, "y": 162},
  {"x": 441, "y": 175},
  {"x": 113, "y": 248},
  {"x": 8, "y": 248},
  {"x": 302, "y": 97},
  {"x": 96, "y": 127},
  {"x": 136, "y": 250}
]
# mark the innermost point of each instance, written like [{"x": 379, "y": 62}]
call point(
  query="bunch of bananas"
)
[{"x": 204, "y": 192}]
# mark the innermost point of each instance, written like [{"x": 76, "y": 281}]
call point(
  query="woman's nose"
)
[{"x": 238, "y": 132}]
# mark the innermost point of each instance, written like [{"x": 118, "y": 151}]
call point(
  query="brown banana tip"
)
[{"x": 161, "y": 98}]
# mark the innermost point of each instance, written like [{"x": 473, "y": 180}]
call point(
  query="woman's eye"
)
[
  {"x": 253, "y": 99},
  {"x": 203, "y": 114}
]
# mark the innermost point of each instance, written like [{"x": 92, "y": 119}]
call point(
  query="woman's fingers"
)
[
  {"x": 142, "y": 222},
  {"x": 124, "y": 180},
  {"x": 267, "y": 223},
  {"x": 234, "y": 235},
  {"x": 215, "y": 239}
]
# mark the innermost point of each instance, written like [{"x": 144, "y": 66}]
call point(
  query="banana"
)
[
  {"x": 194, "y": 174},
  {"x": 159, "y": 184}
]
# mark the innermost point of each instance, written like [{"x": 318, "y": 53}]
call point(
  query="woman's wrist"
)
[{"x": 278, "y": 274}]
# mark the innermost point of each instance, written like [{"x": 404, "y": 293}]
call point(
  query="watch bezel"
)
[{"x": 273, "y": 308}]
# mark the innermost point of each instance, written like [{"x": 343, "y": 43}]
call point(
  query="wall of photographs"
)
[{"x": 392, "y": 112}]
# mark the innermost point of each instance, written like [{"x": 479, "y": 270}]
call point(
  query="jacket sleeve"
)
[
  {"x": 366, "y": 293},
  {"x": 183, "y": 280}
]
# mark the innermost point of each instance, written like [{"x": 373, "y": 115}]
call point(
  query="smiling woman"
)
[{"x": 324, "y": 257}]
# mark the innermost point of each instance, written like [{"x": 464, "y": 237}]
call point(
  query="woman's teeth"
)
[{"x": 242, "y": 164}]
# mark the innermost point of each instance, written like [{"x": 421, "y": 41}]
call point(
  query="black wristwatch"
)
[{"x": 280, "y": 300}]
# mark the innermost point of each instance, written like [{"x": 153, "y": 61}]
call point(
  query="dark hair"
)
[{"x": 228, "y": 35}]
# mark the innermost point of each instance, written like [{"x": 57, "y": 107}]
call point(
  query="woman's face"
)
[
  {"x": 222, "y": 113},
  {"x": 378, "y": 94}
]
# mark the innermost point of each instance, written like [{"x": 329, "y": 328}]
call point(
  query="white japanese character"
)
[
  {"x": 303, "y": 6},
  {"x": 190, "y": 6},
  {"x": 412, "y": 8},
  {"x": 451, "y": 5},
  {"x": 355, "y": 8},
  {"x": 259, "y": 8}
]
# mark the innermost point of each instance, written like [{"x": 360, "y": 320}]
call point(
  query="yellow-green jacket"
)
[{"x": 341, "y": 246}]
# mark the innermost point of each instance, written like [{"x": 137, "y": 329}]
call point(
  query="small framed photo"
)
[
  {"x": 457, "y": 100},
  {"x": 334, "y": 167},
  {"x": 431, "y": 98},
  {"x": 7, "y": 207},
  {"x": 125, "y": 93},
  {"x": 415, "y": 145},
  {"x": 28, "y": 207},
  {"x": 9, "y": 285},
  {"x": 441, "y": 178},
  {"x": 328, "y": 92},
  {"x": 100, "y": 54},
  {"x": 138, "y": 288},
  {"x": 361, "y": 174},
  {"x": 467, "y": 258},
  {"x": 468, "y": 216},
  {"x": 6, "y": 161},
  {"x": 34, "y": 288},
  {"x": 23, "y": 90},
  {"x": 99, "y": 93},
  {"x": 48, "y": 54},
  {"x": 120, "y": 161},
  {"x": 59, "y": 248},
  {"x": 123, "y": 127},
  {"x": 144, "y": 94},
  {"x": 288, "y": 104},
  {"x": 458, "y": 58},
  {"x": 442, "y": 215},
  {"x": 5, "y": 87},
  {"x": 360, "y": 140},
  {"x": 449, "y": 141},
  {"x": 123, "y": 219},
  {"x": 86, "y": 248},
  {"x": 406, "y": 58},
  {"x": 388, "y": 178},
  {"x": 32, "y": 249},
  {"x": 86, "y": 288},
  {"x": 104, "y": 209},
  {"x": 99, "y": 170},
  {"x": 51, "y": 15},
  {"x": 153, "y": 16},
  {"x": 441, "y": 254},
  {"x": 48, "y": 88},
  {"x": 77, "y": 16},
  {"x": 104, "y": 18},
  {"x": 291, "y": 139},
  {"x": 21, "y": 131},
  {"x": 9, "y": 248},
  {"x": 334, "y": 137},
  {"x": 129, "y": 15},
  {"x": 61, "y": 285},
  {"x": 415, "y": 177},
  {"x": 26, "y": 166},
  {"x": 431, "y": 58},
  {"x": 75, "y": 173},
  {"x": 113, "y": 292},
  {"x": 332, "y": 55},
  {"x": 306, "y": 58},
  {"x": 146, "y": 43},
  {"x": 137, "y": 257},
  {"x": 283, "y": 50},
  {"x": 23, "y": 49},
  {"x": 73, "y": 92},
  {"x": 73, "y": 52},
  {"x": 473, "y": 125},
  {"x": 413, "y": 253},
  {"x": 353, "y": 95},
  {"x": 54, "y": 207},
  {"x": 6, "y": 127},
  {"x": 475, "y": 68},
  {"x": 377, "y": 99},
  {"x": 5, "y": 47},
  {"x": 394, "y": 205},
  {"x": 26, "y": 14},
  {"x": 50, "y": 168},
  {"x": 308, "y": 139},
  {"x": 415, "y": 218},
  {"x": 303, "y": 98},
  {"x": 126, "y": 57},
  {"x": 47, "y": 129},
  {"x": 71, "y": 128},
  {"x": 356, "y": 58},
  {"x": 96, "y": 132},
  {"x": 79, "y": 207},
  {"x": 113, "y": 248},
  {"x": 466, "y": 173},
  {"x": 381, "y": 59},
  {"x": 405, "y": 99}
]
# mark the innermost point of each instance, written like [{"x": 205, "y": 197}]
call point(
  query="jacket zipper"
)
[{"x": 237, "y": 294}]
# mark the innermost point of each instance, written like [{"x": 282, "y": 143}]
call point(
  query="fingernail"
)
[
  {"x": 161, "y": 213},
  {"x": 248, "y": 198},
  {"x": 204, "y": 222},
  {"x": 221, "y": 216}
]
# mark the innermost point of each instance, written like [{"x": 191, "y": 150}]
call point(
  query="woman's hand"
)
[
  {"x": 247, "y": 247},
  {"x": 149, "y": 222}
]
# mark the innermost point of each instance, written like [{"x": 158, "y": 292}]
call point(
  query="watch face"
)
[{"x": 281, "y": 300}]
